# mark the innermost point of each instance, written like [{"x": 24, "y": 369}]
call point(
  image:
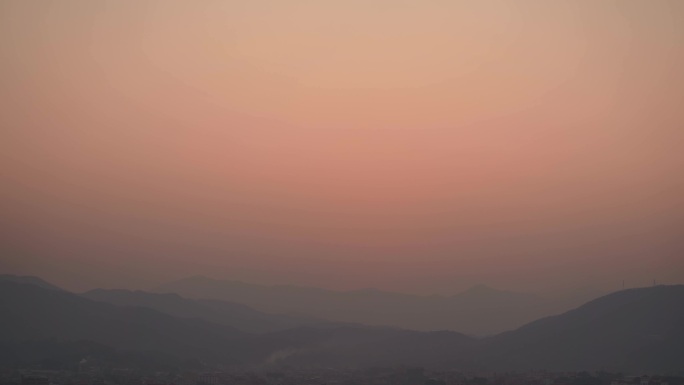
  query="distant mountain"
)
[
  {"x": 28, "y": 280},
  {"x": 230, "y": 314},
  {"x": 624, "y": 331},
  {"x": 478, "y": 311}
]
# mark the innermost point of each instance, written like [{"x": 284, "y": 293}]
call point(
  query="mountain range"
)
[
  {"x": 478, "y": 311},
  {"x": 631, "y": 330},
  {"x": 221, "y": 312}
]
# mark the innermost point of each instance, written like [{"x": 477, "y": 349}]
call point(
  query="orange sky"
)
[{"x": 419, "y": 145}]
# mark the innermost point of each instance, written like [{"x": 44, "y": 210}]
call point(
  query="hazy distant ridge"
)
[
  {"x": 226, "y": 313},
  {"x": 480, "y": 310}
]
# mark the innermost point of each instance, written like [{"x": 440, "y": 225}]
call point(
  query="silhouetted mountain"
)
[
  {"x": 225, "y": 313},
  {"x": 32, "y": 313},
  {"x": 28, "y": 280},
  {"x": 478, "y": 311},
  {"x": 35, "y": 318},
  {"x": 636, "y": 329}
]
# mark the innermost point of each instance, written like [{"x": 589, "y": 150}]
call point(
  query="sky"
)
[{"x": 411, "y": 145}]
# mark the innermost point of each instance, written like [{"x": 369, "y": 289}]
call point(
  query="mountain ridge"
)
[
  {"x": 473, "y": 311},
  {"x": 637, "y": 329},
  {"x": 29, "y": 279},
  {"x": 230, "y": 314}
]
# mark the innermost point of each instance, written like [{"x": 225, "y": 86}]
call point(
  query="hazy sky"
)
[{"x": 420, "y": 146}]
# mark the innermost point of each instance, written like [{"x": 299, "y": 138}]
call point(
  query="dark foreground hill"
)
[
  {"x": 639, "y": 330},
  {"x": 225, "y": 313},
  {"x": 627, "y": 330},
  {"x": 33, "y": 313},
  {"x": 28, "y": 280},
  {"x": 38, "y": 320}
]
